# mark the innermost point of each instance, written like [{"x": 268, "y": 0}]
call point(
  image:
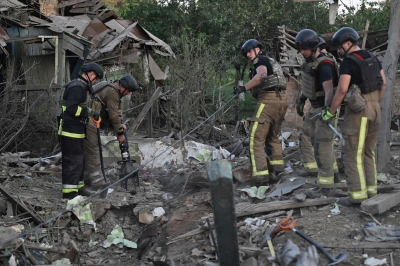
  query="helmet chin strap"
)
[
  {"x": 346, "y": 51},
  {"x": 255, "y": 60},
  {"x": 311, "y": 57}
]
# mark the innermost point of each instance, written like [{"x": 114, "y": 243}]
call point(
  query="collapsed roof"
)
[{"x": 110, "y": 39}]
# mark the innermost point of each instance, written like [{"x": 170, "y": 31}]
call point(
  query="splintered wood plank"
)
[
  {"x": 249, "y": 208},
  {"x": 381, "y": 202}
]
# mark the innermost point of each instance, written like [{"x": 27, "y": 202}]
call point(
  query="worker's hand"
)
[
  {"x": 96, "y": 122},
  {"x": 300, "y": 108},
  {"x": 95, "y": 115},
  {"x": 239, "y": 89},
  {"x": 326, "y": 116},
  {"x": 123, "y": 127},
  {"x": 121, "y": 138}
]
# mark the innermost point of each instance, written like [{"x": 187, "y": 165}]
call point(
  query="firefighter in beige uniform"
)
[
  {"x": 319, "y": 77},
  {"x": 106, "y": 100},
  {"x": 362, "y": 85},
  {"x": 306, "y": 147},
  {"x": 267, "y": 86}
]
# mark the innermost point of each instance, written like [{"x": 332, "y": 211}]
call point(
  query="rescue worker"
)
[
  {"x": 362, "y": 85},
  {"x": 106, "y": 101},
  {"x": 306, "y": 147},
  {"x": 73, "y": 119},
  {"x": 319, "y": 78},
  {"x": 267, "y": 84}
]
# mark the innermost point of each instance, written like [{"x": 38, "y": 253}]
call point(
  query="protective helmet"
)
[
  {"x": 321, "y": 41},
  {"x": 306, "y": 39},
  {"x": 250, "y": 44},
  {"x": 95, "y": 68},
  {"x": 129, "y": 83},
  {"x": 343, "y": 35}
]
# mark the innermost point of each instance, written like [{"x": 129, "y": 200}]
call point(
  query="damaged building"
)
[{"x": 41, "y": 52}]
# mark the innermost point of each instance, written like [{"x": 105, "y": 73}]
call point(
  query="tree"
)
[{"x": 390, "y": 67}]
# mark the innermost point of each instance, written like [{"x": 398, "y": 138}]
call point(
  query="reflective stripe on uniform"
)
[
  {"x": 69, "y": 190},
  {"x": 253, "y": 132},
  {"x": 360, "y": 151},
  {"x": 95, "y": 174},
  {"x": 69, "y": 186},
  {"x": 325, "y": 180},
  {"x": 335, "y": 168},
  {"x": 362, "y": 193},
  {"x": 81, "y": 184},
  {"x": 78, "y": 111},
  {"x": 276, "y": 162},
  {"x": 358, "y": 195},
  {"x": 372, "y": 189},
  {"x": 310, "y": 166},
  {"x": 72, "y": 135}
]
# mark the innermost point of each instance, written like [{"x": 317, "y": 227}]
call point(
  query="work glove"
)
[
  {"x": 239, "y": 89},
  {"x": 300, "y": 108},
  {"x": 95, "y": 115},
  {"x": 326, "y": 116}
]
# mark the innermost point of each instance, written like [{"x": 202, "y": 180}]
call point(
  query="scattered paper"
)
[
  {"x": 83, "y": 213},
  {"x": 255, "y": 192},
  {"x": 117, "y": 236}
]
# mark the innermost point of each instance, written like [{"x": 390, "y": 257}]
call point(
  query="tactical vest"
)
[
  {"x": 276, "y": 80},
  {"x": 308, "y": 77},
  {"x": 97, "y": 104},
  {"x": 370, "y": 73}
]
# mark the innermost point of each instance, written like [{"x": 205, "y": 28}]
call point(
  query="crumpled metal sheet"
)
[
  {"x": 155, "y": 70},
  {"x": 68, "y": 23},
  {"x": 111, "y": 45},
  {"x": 98, "y": 30},
  {"x": 6, "y": 4}
]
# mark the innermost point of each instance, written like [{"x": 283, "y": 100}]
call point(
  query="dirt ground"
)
[{"x": 184, "y": 195}]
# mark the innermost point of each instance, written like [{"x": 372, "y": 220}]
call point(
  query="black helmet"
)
[
  {"x": 306, "y": 39},
  {"x": 343, "y": 35},
  {"x": 95, "y": 68},
  {"x": 250, "y": 44},
  {"x": 129, "y": 83},
  {"x": 321, "y": 41}
]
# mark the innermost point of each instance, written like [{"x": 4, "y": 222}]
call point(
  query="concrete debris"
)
[{"x": 375, "y": 262}]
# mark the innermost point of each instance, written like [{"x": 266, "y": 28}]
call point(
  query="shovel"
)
[
  {"x": 127, "y": 168},
  {"x": 289, "y": 223},
  {"x": 104, "y": 191}
]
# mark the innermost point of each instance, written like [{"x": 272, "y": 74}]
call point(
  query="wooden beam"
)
[
  {"x": 381, "y": 203},
  {"x": 144, "y": 112},
  {"x": 70, "y": 3},
  {"x": 20, "y": 206},
  {"x": 249, "y": 208}
]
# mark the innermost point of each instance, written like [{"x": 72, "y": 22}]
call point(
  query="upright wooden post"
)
[{"x": 220, "y": 177}]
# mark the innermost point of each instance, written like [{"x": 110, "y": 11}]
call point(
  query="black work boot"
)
[
  {"x": 259, "y": 180},
  {"x": 318, "y": 192},
  {"x": 70, "y": 195},
  {"x": 304, "y": 173},
  {"x": 346, "y": 202},
  {"x": 85, "y": 192}
]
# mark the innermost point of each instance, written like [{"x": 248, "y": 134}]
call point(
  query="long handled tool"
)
[
  {"x": 103, "y": 194},
  {"x": 331, "y": 126},
  {"x": 127, "y": 165},
  {"x": 289, "y": 223}
]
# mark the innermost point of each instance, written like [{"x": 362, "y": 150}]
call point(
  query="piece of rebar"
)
[{"x": 220, "y": 177}]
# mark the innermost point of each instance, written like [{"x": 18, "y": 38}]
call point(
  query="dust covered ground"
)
[{"x": 184, "y": 195}]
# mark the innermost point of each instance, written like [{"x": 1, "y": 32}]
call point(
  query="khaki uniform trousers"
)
[
  {"x": 322, "y": 137},
  {"x": 360, "y": 132},
  {"x": 92, "y": 156},
  {"x": 306, "y": 146},
  {"x": 266, "y": 125}
]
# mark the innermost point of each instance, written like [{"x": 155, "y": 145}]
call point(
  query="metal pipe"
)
[{"x": 56, "y": 55}]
